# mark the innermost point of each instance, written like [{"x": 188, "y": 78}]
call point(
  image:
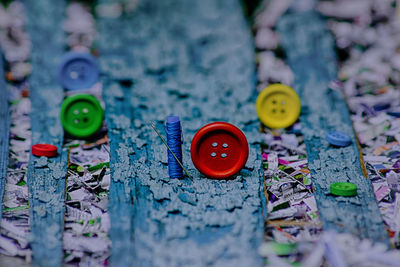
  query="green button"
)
[
  {"x": 282, "y": 249},
  {"x": 343, "y": 189},
  {"x": 81, "y": 115}
]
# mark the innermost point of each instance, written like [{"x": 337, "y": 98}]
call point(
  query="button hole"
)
[{"x": 73, "y": 75}]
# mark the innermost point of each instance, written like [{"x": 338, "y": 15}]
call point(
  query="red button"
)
[
  {"x": 219, "y": 150},
  {"x": 45, "y": 150}
]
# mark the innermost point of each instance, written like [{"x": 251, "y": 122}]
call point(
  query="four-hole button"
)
[
  {"x": 278, "y": 106},
  {"x": 81, "y": 115},
  {"x": 78, "y": 71},
  {"x": 219, "y": 150}
]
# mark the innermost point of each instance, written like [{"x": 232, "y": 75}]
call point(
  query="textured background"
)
[
  {"x": 193, "y": 59},
  {"x": 310, "y": 53}
]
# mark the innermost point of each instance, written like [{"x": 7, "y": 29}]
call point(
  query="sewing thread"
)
[{"x": 174, "y": 141}]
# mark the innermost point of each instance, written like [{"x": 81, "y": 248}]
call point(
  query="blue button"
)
[
  {"x": 381, "y": 106},
  {"x": 338, "y": 138},
  {"x": 394, "y": 112},
  {"x": 78, "y": 71}
]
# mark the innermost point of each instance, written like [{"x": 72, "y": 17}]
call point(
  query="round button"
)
[
  {"x": 81, "y": 115},
  {"x": 344, "y": 189},
  {"x": 219, "y": 150},
  {"x": 394, "y": 112},
  {"x": 278, "y": 106},
  {"x": 282, "y": 249},
  {"x": 44, "y": 150},
  {"x": 78, "y": 71},
  {"x": 338, "y": 138},
  {"x": 381, "y": 106}
]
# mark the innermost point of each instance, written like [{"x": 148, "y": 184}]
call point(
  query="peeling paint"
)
[
  {"x": 193, "y": 59},
  {"x": 4, "y": 132},
  {"x": 310, "y": 53},
  {"x": 46, "y": 176}
]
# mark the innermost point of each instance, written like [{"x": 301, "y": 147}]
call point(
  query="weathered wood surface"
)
[
  {"x": 46, "y": 177},
  {"x": 4, "y": 132},
  {"x": 309, "y": 48},
  {"x": 194, "y": 59}
]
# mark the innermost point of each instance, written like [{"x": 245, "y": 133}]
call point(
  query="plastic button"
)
[
  {"x": 219, "y": 150},
  {"x": 344, "y": 189},
  {"x": 78, "y": 71},
  {"x": 381, "y": 106},
  {"x": 44, "y": 150},
  {"x": 81, "y": 115},
  {"x": 338, "y": 139},
  {"x": 278, "y": 106},
  {"x": 394, "y": 112},
  {"x": 282, "y": 249}
]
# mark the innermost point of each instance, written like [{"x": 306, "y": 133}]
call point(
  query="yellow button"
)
[{"x": 278, "y": 106}]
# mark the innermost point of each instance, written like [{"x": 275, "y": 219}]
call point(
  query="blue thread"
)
[{"x": 174, "y": 141}]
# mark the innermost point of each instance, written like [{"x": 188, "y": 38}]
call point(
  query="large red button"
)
[
  {"x": 45, "y": 150},
  {"x": 219, "y": 150}
]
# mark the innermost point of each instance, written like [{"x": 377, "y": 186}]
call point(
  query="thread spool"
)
[{"x": 174, "y": 141}]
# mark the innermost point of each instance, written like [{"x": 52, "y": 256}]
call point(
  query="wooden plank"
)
[
  {"x": 4, "y": 132},
  {"x": 309, "y": 49},
  {"x": 194, "y": 59},
  {"x": 121, "y": 203},
  {"x": 46, "y": 177}
]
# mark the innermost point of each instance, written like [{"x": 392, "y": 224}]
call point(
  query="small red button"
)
[
  {"x": 45, "y": 150},
  {"x": 219, "y": 150}
]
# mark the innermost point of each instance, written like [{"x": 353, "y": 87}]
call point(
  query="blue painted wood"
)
[
  {"x": 46, "y": 177},
  {"x": 121, "y": 203},
  {"x": 4, "y": 132},
  {"x": 309, "y": 48},
  {"x": 194, "y": 59}
]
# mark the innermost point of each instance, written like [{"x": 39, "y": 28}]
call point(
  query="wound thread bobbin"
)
[{"x": 174, "y": 141}]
